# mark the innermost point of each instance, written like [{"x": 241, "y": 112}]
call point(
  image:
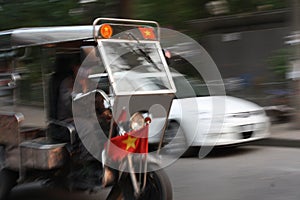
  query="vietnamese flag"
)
[
  {"x": 135, "y": 141},
  {"x": 147, "y": 33}
]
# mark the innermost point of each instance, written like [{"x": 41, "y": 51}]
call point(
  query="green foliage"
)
[
  {"x": 172, "y": 13},
  {"x": 275, "y": 4},
  {"x": 175, "y": 12},
  {"x": 279, "y": 63},
  {"x": 15, "y": 14},
  {"x": 238, "y": 6},
  {"x": 36, "y": 13}
]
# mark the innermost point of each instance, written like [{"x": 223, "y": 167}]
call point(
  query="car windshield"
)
[
  {"x": 189, "y": 86},
  {"x": 136, "y": 67},
  {"x": 189, "y": 82}
]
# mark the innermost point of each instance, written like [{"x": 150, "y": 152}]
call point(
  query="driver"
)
[
  {"x": 104, "y": 114},
  {"x": 64, "y": 102},
  {"x": 85, "y": 162}
]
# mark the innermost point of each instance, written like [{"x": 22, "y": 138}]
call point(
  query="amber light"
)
[{"x": 106, "y": 31}]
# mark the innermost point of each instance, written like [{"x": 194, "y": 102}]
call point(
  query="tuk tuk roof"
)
[{"x": 23, "y": 37}]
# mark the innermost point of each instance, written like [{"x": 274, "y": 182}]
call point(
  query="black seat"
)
[{"x": 62, "y": 69}]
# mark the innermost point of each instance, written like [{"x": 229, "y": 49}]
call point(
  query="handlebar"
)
[{"x": 82, "y": 95}]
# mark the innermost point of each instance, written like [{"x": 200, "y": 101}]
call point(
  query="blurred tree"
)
[
  {"x": 125, "y": 9},
  {"x": 279, "y": 63},
  {"x": 239, "y": 6},
  {"x": 171, "y": 13},
  {"x": 18, "y": 13},
  {"x": 25, "y": 13},
  {"x": 175, "y": 12},
  {"x": 97, "y": 8}
]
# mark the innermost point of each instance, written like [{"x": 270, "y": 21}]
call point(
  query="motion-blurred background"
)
[{"x": 254, "y": 43}]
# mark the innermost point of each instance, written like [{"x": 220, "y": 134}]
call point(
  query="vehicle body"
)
[
  {"x": 110, "y": 52},
  {"x": 243, "y": 122},
  {"x": 208, "y": 118}
]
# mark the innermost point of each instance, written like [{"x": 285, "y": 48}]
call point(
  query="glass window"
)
[
  {"x": 136, "y": 67},
  {"x": 189, "y": 87}
]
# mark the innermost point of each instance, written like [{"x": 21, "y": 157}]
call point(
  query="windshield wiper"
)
[{"x": 142, "y": 52}]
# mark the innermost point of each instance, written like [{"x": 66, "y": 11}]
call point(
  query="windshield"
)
[
  {"x": 189, "y": 86},
  {"x": 136, "y": 67},
  {"x": 189, "y": 82}
]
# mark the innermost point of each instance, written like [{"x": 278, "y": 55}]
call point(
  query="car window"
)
[
  {"x": 189, "y": 82},
  {"x": 189, "y": 87}
]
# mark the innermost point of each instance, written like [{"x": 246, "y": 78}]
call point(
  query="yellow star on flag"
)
[
  {"x": 130, "y": 142},
  {"x": 147, "y": 33}
]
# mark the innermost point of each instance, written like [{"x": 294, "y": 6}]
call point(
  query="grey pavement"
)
[
  {"x": 282, "y": 135},
  {"x": 285, "y": 131}
]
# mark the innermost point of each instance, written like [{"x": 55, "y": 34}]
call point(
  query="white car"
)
[
  {"x": 242, "y": 121},
  {"x": 198, "y": 119}
]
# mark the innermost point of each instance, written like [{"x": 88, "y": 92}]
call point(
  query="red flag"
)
[
  {"x": 135, "y": 141},
  {"x": 148, "y": 33}
]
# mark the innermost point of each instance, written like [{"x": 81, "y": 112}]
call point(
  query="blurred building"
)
[{"x": 242, "y": 45}]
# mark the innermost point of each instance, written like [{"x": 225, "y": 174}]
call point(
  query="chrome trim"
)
[
  {"x": 20, "y": 117},
  {"x": 82, "y": 95},
  {"x": 69, "y": 126}
]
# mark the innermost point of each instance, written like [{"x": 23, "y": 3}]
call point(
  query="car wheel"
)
[
  {"x": 191, "y": 152},
  {"x": 175, "y": 143}
]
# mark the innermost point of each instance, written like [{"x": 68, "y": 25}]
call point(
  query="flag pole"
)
[{"x": 132, "y": 174}]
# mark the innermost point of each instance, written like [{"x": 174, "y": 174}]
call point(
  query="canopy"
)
[{"x": 23, "y": 37}]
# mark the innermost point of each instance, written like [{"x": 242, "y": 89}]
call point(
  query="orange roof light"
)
[{"x": 106, "y": 31}]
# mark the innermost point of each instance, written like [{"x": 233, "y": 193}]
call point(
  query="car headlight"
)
[{"x": 138, "y": 120}]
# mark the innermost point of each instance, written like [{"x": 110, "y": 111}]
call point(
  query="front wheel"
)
[
  {"x": 175, "y": 143},
  {"x": 8, "y": 179},
  {"x": 158, "y": 187}
]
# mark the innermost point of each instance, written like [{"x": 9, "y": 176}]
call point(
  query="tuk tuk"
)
[{"x": 123, "y": 68}]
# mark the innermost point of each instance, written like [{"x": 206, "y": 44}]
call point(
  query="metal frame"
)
[
  {"x": 21, "y": 38},
  {"x": 27, "y": 37},
  {"x": 125, "y": 22}
]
